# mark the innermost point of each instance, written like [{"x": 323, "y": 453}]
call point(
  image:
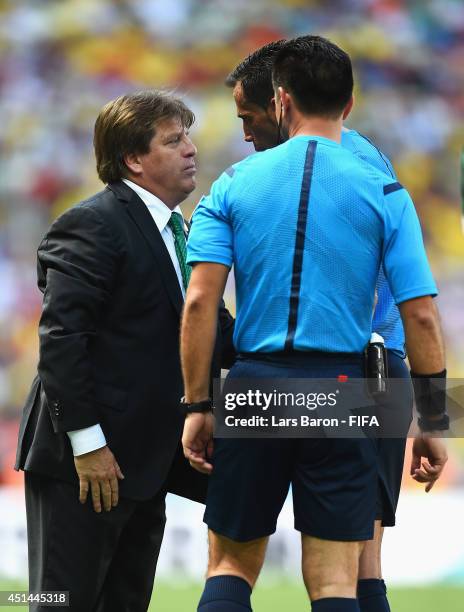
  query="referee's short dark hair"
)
[
  {"x": 255, "y": 74},
  {"x": 317, "y": 73},
  {"x": 127, "y": 125}
]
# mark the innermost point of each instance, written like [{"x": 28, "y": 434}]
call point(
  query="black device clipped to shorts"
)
[{"x": 376, "y": 365}]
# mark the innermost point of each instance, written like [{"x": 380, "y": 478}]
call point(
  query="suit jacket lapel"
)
[{"x": 144, "y": 221}]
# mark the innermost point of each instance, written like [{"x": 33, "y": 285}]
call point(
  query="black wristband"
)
[
  {"x": 203, "y": 406},
  {"x": 430, "y": 396},
  {"x": 429, "y": 425}
]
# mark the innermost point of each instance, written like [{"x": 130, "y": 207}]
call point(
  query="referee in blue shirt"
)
[
  {"x": 307, "y": 226},
  {"x": 251, "y": 82}
]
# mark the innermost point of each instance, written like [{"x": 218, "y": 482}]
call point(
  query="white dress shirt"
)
[{"x": 91, "y": 438}]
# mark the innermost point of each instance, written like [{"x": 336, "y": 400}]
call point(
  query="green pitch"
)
[
  {"x": 291, "y": 597},
  {"x": 275, "y": 597}
]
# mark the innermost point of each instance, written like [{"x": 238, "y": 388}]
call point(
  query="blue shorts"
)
[
  {"x": 334, "y": 480},
  {"x": 391, "y": 450}
]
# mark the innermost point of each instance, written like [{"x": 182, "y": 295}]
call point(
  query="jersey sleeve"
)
[
  {"x": 210, "y": 238},
  {"x": 405, "y": 261}
]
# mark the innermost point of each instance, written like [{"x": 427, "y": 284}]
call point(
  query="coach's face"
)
[
  {"x": 259, "y": 124},
  {"x": 168, "y": 169}
]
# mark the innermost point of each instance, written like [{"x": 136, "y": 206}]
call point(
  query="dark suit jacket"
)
[{"x": 109, "y": 347}]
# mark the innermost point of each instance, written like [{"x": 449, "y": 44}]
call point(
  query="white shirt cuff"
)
[{"x": 87, "y": 439}]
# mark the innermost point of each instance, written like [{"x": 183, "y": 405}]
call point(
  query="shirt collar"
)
[{"x": 158, "y": 209}]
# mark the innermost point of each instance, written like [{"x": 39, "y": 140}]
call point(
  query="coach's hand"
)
[
  {"x": 197, "y": 440},
  {"x": 99, "y": 472},
  {"x": 434, "y": 449}
]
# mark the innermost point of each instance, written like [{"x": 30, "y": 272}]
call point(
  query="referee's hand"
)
[
  {"x": 434, "y": 449},
  {"x": 197, "y": 440}
]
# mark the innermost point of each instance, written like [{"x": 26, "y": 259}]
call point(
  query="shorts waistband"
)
[{"x": 303, "y": 357}]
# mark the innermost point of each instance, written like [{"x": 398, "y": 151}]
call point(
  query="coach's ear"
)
[
  {"x": 132, "y": 161},
  {"x": 348, "y": 108}
]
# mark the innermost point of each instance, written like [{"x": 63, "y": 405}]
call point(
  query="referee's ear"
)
[
  {"x": 271, "y": 108},
  {"x": 348, "y": 108}
]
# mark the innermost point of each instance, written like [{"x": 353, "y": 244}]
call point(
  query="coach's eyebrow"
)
[{"x": 174, "y": 134}]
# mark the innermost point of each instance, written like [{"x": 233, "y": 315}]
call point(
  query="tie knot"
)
[{"x": 176, "y": 223}]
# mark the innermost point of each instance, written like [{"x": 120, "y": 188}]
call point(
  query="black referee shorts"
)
[
  {"x": 391, "y": 450},
  {"x": 334, "y": 480}
]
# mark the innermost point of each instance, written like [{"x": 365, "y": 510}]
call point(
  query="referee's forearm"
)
[
  {"x": 424, "y": 341},
  {"x": 198, "y": 334}
]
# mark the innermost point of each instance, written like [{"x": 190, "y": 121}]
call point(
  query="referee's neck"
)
[{"x": 317, "y": 126}]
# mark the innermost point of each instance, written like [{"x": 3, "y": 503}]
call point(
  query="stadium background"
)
[{"x": 60, "y": 60}]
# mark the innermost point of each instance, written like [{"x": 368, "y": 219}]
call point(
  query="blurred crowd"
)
[{"x": 60, "y": 61}]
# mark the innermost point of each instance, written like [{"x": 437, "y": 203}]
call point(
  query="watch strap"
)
[{"x": 202, "y": 407}]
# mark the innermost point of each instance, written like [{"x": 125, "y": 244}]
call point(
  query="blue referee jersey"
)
[
  {"x": 307, "y": 226},
  {"x": 387, "y": 319}
]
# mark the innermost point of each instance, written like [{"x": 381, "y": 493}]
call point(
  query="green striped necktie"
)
[{"x": 176, "y": 223}]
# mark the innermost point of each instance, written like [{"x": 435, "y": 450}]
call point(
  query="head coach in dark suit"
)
[{"x": 99, "y": 438}]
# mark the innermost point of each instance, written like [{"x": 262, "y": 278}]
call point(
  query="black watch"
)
[{"x": 203, "y": 406}]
